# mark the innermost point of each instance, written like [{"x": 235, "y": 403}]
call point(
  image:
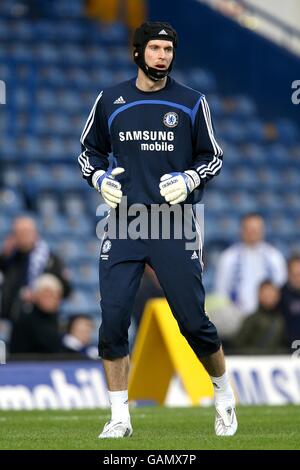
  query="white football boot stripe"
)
[
  {"x": 225, "y": 422},
  {"x": 116, "y": 429}
]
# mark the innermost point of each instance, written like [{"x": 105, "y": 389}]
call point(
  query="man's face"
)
[
  {"x": 252, "y": 230},
  {"x": 294, "y": 274},
  {"x": 159, "y": 54},
  {"x": 25, "y": 234},
  {"x": 82, "y": 329},
  {"x": 269, "y": 296},
  {"x": 48, "y": 299}
]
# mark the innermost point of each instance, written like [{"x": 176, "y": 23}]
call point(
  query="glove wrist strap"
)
[
  {"x": 95, "y": 179},
  {"x": 194, "y": 177}
]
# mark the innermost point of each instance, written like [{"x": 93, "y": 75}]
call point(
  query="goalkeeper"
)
[{"x": 162, "y": 138}]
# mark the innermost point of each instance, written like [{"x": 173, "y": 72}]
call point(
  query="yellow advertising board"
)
[{"x": 160, "y": 352}]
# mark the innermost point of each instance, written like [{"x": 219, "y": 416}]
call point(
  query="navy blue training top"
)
[{"x": 150, "y": 134}]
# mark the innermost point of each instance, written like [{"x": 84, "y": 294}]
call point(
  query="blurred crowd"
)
[
  {"x": 255, "y": 304},
  {"x": 34, "y": 283}
]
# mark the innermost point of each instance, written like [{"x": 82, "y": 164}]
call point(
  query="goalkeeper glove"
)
[
  {"x": 175, "y": 187},
  {"x": 105, "y": 183}
]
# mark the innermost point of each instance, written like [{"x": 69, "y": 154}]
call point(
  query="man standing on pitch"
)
[{"x": 162, "y": 138}]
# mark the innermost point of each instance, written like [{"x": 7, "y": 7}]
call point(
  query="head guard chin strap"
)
[{"x": 145, "y": 33}]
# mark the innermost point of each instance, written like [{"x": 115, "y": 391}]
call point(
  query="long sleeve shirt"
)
[{"x": 150, "y": 134}]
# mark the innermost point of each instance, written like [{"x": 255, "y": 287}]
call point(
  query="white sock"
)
[
  {"x": 119, "y": 405},
  {"x": 223, "y": 392}
]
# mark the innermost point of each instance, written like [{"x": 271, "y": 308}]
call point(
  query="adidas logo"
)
[
  {"x": 120, "y": 100},
  {"x": 194, "y": 255},
  {"x": 163, "y": 32}
]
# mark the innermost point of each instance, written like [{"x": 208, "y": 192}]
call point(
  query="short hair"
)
[
  {"x": 266, "y": 282},
  {"x": 74, "y": 318},
  {"x": 293, "y": 259},
  {"x": 48, "y": 281},
  {"x": 27, "y": 217},
  {"x": 249, "y": 215}
]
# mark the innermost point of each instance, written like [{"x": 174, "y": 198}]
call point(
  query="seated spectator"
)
[
  {"x": 263, "y": 332},
  {"x": 244, "y": 265},
  {"x": 79, "y": 337},
  {"x": 37, "y": 331},
  {"x": 290, "y": 301},
  {"x": 23, "y": 259}
]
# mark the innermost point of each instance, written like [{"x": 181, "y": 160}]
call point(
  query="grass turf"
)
[{"x": 155, "y": 428}]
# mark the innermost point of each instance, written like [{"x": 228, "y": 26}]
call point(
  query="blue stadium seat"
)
[
  {"x": 268, "y": 201},
  {"x": 291, "y": 200},
  {"x": 96, "y": 55},
  {"x": 72, "y": 53},
  {"x": 46, "y": 29},
  {"x": 47, "y": 205},
  {"x": 279, "y": 226},
  {"x": 51, "y": 75},
  {"x": 47, "y": 52},
  {"x": 5, "y": 222},
  {"x": 232, "y": 131},
  {"x": 269, "y": 180},
  {"x": 38, "y": 175},
  {"x": 22, "y": 30},
  {"x": 80, "y": 302},
  {"x": 214, "y": 200},
  {"x": 4, "y": 28},
  {"x": 201, "y": 80},
  {"x": 5, "y": 70},
  {"x": 244, "y": 107},
  {"x": 11, "y": 202},
  {"x": 254, "y": 131},
  {"x": 63, "y": 8},
  {"x": 70, "y": 250},
  {"x": 290, "y": 178},
  {"x": 242, "y": 202},
  {"x": 85, "y": 274},
  {"x": 12, "y": 178},
  {"x": 74, "y": 206},
  {"x": 253, "y": 155},
  {"x": 287, "y": 131},
  {"x": 277, "y": 154},
  {"x": 216, "y": 106},
  {"x": 55, "y": 226},
  {"x": 20, "y": 51},
  {"x": 244, "y": 178},
  {"x": 114, "y": 33}
]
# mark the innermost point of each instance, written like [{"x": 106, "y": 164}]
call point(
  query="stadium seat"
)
[{"x": 11, "y": 202}]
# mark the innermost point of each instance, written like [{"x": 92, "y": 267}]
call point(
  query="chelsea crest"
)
[
  {"x": 171, "y": 119},
  {"x": 106, "y": 246}
]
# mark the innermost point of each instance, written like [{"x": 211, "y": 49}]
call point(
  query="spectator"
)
[
  {"x": 37, "y": 331},
  {"x": 290, "y": 300},
  {"x": 263, "y": 332},
  {"x": 244, "y": 265},
  {"x": 23, "y": 259},
  {"x": 79, "y": 337}
]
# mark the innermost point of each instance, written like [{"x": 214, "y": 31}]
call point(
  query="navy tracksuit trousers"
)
[{"x": 179, "y": 272}]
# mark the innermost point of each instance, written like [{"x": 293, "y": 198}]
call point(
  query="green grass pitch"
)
[{"x": 155, "y": 428}]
